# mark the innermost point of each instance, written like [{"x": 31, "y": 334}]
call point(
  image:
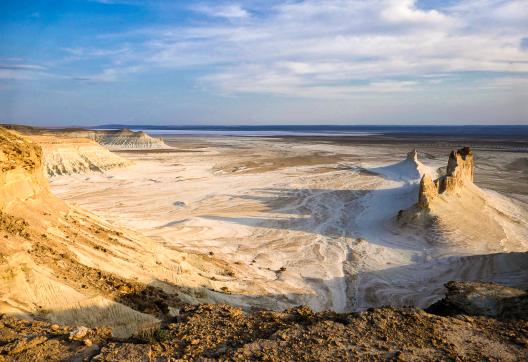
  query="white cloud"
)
[
  {"x": 321, "y": 47},
  {"x": 228, "y": 11},
  {"x": 109, "y": 74},
  {"x": 404, "y": 11}
]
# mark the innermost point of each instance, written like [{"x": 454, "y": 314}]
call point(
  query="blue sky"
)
[{"x": 264, "y": 62}]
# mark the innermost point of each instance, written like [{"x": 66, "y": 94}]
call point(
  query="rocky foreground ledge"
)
[{"x": 453, "y": 329}]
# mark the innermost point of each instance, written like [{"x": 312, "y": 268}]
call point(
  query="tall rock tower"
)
[{"x": 460, "y": 170}]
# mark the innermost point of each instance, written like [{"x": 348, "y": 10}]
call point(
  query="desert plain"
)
[{"x": 313, "y": 220}]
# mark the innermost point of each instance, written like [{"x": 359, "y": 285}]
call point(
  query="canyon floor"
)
[{"x": 311, "y": 221}]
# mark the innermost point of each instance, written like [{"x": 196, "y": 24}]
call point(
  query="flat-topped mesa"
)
[
  {"x": 126, "y": 139},
  {"x": 67, "y": 155},
  {"x": 125, "y": 132},
  {"x": 460, "y": 170}
]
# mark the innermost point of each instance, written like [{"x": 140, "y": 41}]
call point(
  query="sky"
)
[{"x": 177, "y": 62}]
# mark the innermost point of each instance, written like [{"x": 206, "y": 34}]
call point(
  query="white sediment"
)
[{"x": 264, "y": 205}]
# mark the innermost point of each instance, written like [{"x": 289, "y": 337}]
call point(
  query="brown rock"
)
[
  {"x": 460, "y": 170},
  {"x": 25, "y": 344},
  {"x": 125, "y": 352},
  {"x": 484, "y": 299},
  {"x": 428, "y": 191}
]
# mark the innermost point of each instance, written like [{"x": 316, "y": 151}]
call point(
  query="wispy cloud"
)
[
  {"x": 307, "y": 44},
  {"x": 21, "y": 71},
  {"x": 108, "y": 74},
  {"x": 228, "y": 11},
  {"x": 80, "y": 53},
  {"x": 320, "y": 48},
  {"x": 26, "y": 67}
]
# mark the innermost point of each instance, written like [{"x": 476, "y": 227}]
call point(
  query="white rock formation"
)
[
  {"x": 126, "y": 139},
  {"x": 67, "y": 156}
]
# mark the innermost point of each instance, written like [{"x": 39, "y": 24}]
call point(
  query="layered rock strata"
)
[
  {"x": 20, "y": 168},
  {"x": 126, "y": 139},
  {"x": 116, "y": 140},
  {"x": 67, "y": 156}
]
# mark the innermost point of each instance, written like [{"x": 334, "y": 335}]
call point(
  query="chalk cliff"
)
[
  {"x": 67, "y": 155},
  {"x": 126, "y": 139},
  {"x": 116, "y": 140}
]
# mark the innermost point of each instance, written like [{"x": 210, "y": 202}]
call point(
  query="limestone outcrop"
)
[
  {"x": 67, "y": 156},
  {"x": 20, "y": 168},
  {"x": 460, "y": 170},
  {"x": 126, "y": 139},
  {"x": 115, "y": 140}
]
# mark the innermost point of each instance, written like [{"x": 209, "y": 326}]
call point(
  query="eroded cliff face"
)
[
  {"x": 126, "y": 139},
  {"x": 460, "y": 165},
  {"x": 116, "y": 140},
  {"x": 460, "y": 171},
  {"x": 68, "y": 155},
  {"x": 20, "y": 168},
  {"x": 63, "y": 264}
]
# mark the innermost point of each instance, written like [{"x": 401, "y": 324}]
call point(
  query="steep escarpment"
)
[
  {"x": 116, "y": 140},
  {"x": 63, "y": 264},
  {"x": 68, "y": 156},
  {"x": 20, "y": 168},
  {"x": 76, "y": 271}
]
